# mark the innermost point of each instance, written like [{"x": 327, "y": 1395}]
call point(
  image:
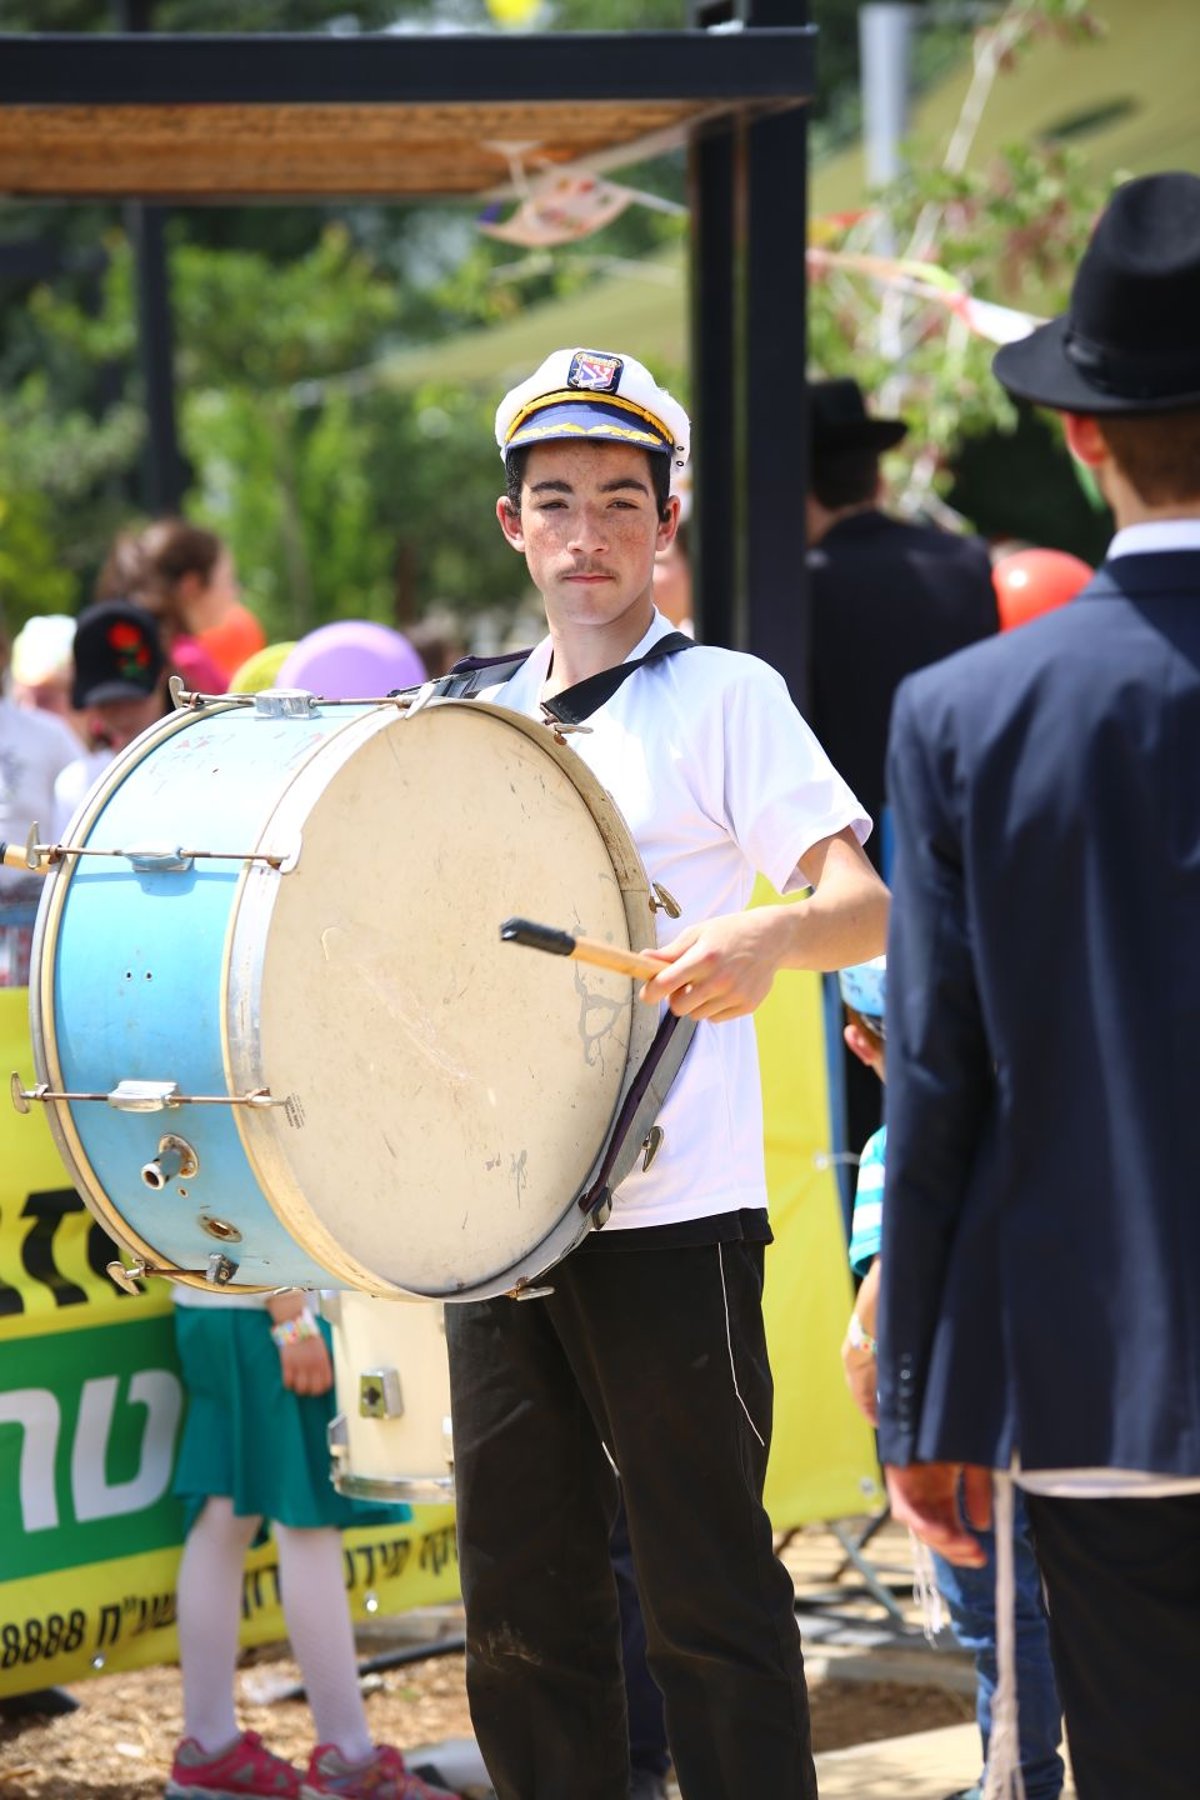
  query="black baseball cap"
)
[{"x": 118, "y": 654}]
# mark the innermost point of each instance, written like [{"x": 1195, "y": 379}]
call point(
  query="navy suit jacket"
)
[{"x": 1041, "y": 1248}]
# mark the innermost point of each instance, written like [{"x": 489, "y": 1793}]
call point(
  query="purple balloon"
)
[{"x": 352, "y": 659}]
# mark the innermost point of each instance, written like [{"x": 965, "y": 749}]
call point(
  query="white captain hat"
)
[{"x": 593, "y": 395}]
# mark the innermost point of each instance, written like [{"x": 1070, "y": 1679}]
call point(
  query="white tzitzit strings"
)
[
  {"x": 1004, "y": 1778},
  {"x": 934, "y": 1617}
]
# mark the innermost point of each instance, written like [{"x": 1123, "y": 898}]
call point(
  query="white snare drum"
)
[
  {"x": 278, "y": 1035},
  {"x": 391, "y": 1437}
]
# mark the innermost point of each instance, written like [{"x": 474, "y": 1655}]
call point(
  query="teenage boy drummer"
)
[{"x": 649, "y": 1354}]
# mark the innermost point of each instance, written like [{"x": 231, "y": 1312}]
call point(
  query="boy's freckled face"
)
[{"x": 589, "y": 530}]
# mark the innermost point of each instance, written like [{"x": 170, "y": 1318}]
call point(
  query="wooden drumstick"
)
[{"x": 583, "y": 949}]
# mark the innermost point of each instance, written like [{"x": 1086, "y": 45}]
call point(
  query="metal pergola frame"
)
[{"x": 732, "y": 87}]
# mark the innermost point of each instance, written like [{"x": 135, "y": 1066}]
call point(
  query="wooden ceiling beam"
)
[{"x": 206, "y": 118}]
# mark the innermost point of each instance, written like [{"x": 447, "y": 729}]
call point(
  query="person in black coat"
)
[
  {"x": 1041, "y": 1258},
  {"x": 888, "y": 596}
]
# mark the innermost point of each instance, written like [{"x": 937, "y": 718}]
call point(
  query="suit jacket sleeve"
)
[{"x": 939, "y": 1065}]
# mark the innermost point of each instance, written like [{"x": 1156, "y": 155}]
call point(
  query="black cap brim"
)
[
  {"x": 1037, "y": 368},
  {"x": 105, "y": 691}
]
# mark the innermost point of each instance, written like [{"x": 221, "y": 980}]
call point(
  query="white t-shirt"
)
[
  {"x": 34, "y": 747},
  {"x": 717, "y": 776},
  {"x": 74, "y": 783}
]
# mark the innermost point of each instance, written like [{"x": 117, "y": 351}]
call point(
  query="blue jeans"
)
[{"x": 970, "y": 1595}]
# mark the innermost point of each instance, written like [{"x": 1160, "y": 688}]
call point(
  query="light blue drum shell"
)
[{"x": 132, "y": 986}]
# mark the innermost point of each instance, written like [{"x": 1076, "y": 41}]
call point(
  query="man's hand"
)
[
  {"x": 926, "y": 1498},
  {"x": 722, "y": 969}
]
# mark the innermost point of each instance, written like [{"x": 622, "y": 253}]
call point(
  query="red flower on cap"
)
[{"x": 130, "y": 645}]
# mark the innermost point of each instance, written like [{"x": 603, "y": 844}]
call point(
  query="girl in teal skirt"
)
[{"x": 259, "y": 1380}]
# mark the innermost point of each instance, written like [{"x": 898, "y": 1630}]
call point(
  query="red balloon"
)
[{"x": 1030, "y": 582}]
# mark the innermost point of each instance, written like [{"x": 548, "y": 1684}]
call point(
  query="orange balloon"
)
[
  {"x": 235, "y": 639},
  {"x": 1030, "y": 582}
]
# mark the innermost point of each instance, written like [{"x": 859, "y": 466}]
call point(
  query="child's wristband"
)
[
  {"x": 294, "y": 1331},
  {"x": 859, "y": 1338}
]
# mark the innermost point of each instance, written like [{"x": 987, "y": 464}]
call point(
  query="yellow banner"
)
[
  {"x": 121, "y": 1614},
  {"x": 823, "y": 1463}
]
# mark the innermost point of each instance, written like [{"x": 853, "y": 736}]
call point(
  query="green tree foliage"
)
[
  {"x": 339, "y": 495},
  {"x": 1012, "y": 233}
]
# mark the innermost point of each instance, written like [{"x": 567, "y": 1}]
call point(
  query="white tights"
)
[{"x": 209, "y": 1603}]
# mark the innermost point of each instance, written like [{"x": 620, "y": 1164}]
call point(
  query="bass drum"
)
[
  {"x": 391, "y": 1437},
  {"x": 278, "y": 1035}
]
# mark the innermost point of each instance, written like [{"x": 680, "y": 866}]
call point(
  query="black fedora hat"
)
[
  {"x": 1130, "y": 340},
  {"x": 839, "y": 420}
]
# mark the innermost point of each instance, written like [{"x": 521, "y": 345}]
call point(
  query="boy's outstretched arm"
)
[{"x": 724, "y": 968}]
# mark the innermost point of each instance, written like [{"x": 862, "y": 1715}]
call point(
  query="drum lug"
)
[
  {"x": 379, "y": 1395},
  {"x": 285, "y": 703},
  {"x": 338, "y": 1436},
  {"x": 663, "y": 900},
  {"x": 219, "y": 1270},
  {"x": 143, "y": 1096},
  {"x": 172, "y": 861}
]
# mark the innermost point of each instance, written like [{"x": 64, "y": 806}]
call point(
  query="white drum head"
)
[{"x": 449, "y": 1093}]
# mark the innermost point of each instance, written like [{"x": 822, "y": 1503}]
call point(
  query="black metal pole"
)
[
  {"x": 163, "y": 473},
  {"x": 164, "y": 477},
  {"x": 774, "y": 355},
  {"x": 715, "y": 458}
]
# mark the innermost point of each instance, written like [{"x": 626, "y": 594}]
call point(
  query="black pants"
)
[
  {"x": 648, "y": 1750},
  {"x": 1123, "y": 1585},
  {"x": 659, "y": 1355}
]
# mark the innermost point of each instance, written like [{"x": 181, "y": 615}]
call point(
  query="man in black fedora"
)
[
  {"x": 888, "y": 596},
  {"x": 1041, "y": 1286}
]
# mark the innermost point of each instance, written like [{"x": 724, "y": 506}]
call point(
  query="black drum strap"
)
[
  {"x": 472, "y": 674},
  {"x": 575, "y": 704},
  {"x": 644, "y": 1100}
]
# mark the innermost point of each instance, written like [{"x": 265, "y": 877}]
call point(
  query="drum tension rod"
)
[
  {"x": 218, "y": 1272},
  {"x": 281, "y": 703},
  {"x": 39, "y": 858},
  {"x": 138, "y": 1096}
]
